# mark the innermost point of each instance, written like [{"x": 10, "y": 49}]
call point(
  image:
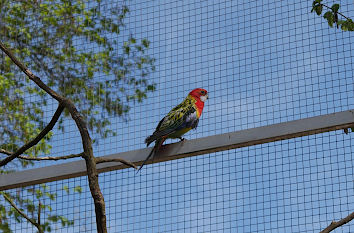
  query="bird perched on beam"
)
[{"x": 178, "y": 121}]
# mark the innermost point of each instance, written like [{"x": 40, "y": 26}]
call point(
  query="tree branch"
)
[
  {"x": 23, "y": 214},
  {"x": 2, "y": 151},
  {"x": 119, "y": 160},
  {"x": 52, "y": 158},
  {"x": 34, "y": 141},
  {"x": 39, "y": 213},
  {"x": 341, "y": 222},
  {"x": 92, "y": 174}
]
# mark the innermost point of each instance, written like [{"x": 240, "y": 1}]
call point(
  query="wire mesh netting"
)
[
  {"x": 296, "y": 185},
  {"x": 262, "y": 62}
]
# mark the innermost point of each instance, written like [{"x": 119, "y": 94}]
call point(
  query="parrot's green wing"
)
[{"x": 182, "y": 116}]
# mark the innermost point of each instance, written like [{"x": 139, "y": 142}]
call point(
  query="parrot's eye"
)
[{"x": 203, "y": 92}]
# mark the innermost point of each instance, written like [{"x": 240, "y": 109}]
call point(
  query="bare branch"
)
[
  {"x": 34, "y": 141},
  {"x": 52, "y": 158},
  {"x": 44, "y": 158},
  {"x": 119, "y": 160},
  {"x": 2, "y": 151},
  {"x": 23, "y": 214},
  {"x": 341, "y": 222}
]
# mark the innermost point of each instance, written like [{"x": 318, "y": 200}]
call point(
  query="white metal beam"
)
[{"x": 221, "y": 142}]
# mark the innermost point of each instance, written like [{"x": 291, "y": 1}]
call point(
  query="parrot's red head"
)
[{"x": 200, "y": 94}]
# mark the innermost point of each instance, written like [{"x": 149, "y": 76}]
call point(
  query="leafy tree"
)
[{"x": 70, "y": 45}]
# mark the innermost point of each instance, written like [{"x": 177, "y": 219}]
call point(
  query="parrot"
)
[{"x": 178, "y": 121}]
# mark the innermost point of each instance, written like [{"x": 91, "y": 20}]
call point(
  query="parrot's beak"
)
[{"x": 203, "y": 98}]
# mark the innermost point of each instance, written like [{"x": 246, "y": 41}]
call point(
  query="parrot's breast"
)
[
  {"x": 198, "y": 105},
  {"x": 179, "y": 133}
]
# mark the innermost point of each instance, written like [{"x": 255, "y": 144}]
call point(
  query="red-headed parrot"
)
[{"x": 178, "y": 121}]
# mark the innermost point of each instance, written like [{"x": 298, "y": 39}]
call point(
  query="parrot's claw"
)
[{"x": 181, "y": 139}]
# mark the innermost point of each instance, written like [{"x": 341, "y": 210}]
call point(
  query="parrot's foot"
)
[{"x": 181, "y": 139}]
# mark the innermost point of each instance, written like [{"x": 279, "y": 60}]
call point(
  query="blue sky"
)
[{"x": 263, "y": 62}]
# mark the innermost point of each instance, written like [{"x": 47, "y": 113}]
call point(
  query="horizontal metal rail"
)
[{"x": 221, "y": 142}]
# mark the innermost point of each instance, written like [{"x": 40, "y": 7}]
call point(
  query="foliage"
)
[
  {"x": 331, "y": 15},
  {"x": 71, "y": 45},
  {"x": 42, "y": 194}
]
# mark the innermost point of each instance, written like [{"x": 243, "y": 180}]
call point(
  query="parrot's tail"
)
[
  {"x": 147, "y": 158},
  {"x": 154, "y": 150}
]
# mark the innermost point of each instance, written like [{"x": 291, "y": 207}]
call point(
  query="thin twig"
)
[
  {"x": 52, "y": 158},
  {"x": 341, "y": 222},
  {"x": 43, "y": 158},
  {"x": 2, "y": 151},
  {"x": 34, "y": 141},
  {"x": 22, "y": 213},
  {"x": 119, "y": 160}
]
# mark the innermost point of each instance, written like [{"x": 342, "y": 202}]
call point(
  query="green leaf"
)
[
  {"x": 330, "y": 18},
  {"x": 146, "y": 43},
  {"x": 335, "y": 8},
  {"x": 132, "y": 40},
  {"x": 66, "y": 189},
  {"x": 350, "y": 25},
  {"x": 344, "y": 27},
  {"x": 127, "y": 50},
  {"x": 318, "y": 9},
  {"x": 78, "y": 189}
]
